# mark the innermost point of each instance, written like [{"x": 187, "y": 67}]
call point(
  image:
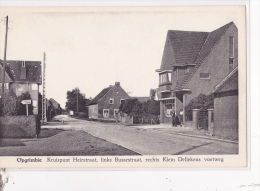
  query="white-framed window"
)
[
  {"x": 6, "y": 86},
  {"x": 165, "y": 77},
  {"x": 169, "y": 106},
  {"x": 34, "y": 86},
  {"x": 116, "y": 112},
  {"x": 111, "y": 101},
  {"x": 205, "y": 76},
  {"x": 105, "y": 113},
  {"x": 231, "y": 53}
]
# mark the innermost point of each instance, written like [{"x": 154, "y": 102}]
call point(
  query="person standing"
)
[{"x": 173, "y": 118}]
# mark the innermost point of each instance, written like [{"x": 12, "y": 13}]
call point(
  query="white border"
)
[{"x": 179, "y": 179}]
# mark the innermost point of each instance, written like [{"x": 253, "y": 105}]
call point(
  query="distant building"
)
[
  {"x": 141, "y": 99},
  {"x": 56, "y": 109},
  {"x": 21, "y": 77},
  {"x": 194, "y": 63},
  {"x": 106, "y": 103},
  {"x": 226, "y": 106}
]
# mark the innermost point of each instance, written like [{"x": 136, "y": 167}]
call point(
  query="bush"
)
[
  {"x": 142, "y": 112},
  {"x": 201, "y": 102},
  {"x": 9, "y": 104}
]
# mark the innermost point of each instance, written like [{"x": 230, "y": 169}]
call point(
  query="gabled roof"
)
[
  {"x": 14, "y": 68},
  {"x": 54, "y": 103},
  {"x": 100, "y": 95},
  {"x": 211, "y": 40},
  {"x": 229, "y": 83},
  {"x": 7, "y": 77}
]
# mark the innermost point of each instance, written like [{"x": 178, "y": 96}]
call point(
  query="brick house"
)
[
  {"x": 226, "y": 106},
  {"x": 107, "y": 102},
  {"x": 194, "y": 63},
  {"x": 21, "y": 77}
]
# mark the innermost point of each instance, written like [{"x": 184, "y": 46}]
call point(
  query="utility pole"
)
[
  {"x": 3, "y": 74},
  {"x": 44, "y": 109},
  {"x": 77, "y": 89}
]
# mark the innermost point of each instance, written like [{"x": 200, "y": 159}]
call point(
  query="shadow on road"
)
[
  {"x": 193, "y": 147},
  {"x": 46, "y": 132}
]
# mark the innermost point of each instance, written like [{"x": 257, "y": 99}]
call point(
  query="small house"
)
[
  {"x": 226, "y": 106},
  {"x": 106, "y": 104},
  {"x": 21, "y": 77}
]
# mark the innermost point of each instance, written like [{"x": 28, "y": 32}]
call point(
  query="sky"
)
[{"x": 92, "y": 48}]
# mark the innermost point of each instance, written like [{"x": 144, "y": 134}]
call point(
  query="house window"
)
[
  {"x": 6, "y": 86},
  {"x": 231, "y": 53},
  {"x": 204, "y": 75},
  {"x": 111, "y": 101},
  {"x": 105, "y": 113},
  {"x": 165, "y": 77},
  {"x": 34, "y": 87},
  {"x": 116, "y": 112},
  {"x": 122, "y": 101},
  {"x": 169, "y": 106}
]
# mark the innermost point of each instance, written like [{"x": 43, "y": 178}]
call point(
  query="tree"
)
[
  {"x": 127, "y": 106},
  {"x": 9, "y": 104},
  {"x": 152, "y": 94},
  {"x": 72, "y": 103}
]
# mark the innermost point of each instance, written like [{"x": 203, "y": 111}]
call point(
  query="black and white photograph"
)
[{"x": 123, "y": 86}]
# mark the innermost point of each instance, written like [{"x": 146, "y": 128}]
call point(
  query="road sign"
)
[{"x": 26, "y": 102}]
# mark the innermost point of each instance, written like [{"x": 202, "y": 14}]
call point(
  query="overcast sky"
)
[{"x": 91, "y": 49}]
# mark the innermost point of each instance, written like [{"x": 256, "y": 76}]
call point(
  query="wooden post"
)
[{"x": 27, "y": 110}]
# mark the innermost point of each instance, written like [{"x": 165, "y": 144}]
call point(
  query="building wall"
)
[
  {"x": 93, "y": 111},
  {"x": 33, "y": 90},
  {"x": 216, "y": 63},
  {"x": 117, "y": 93},
  {"x": 226, "y": 115}
]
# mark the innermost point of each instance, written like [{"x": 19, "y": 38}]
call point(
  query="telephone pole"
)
[
  {"x": 44, "y": 109},
  {"x": 77, "y": 101},
  {"x": 3, "y": 74}
]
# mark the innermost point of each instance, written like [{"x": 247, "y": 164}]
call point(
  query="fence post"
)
[
  {"x": 210, "y": 127},
  {"x": 195, "y": 117}
]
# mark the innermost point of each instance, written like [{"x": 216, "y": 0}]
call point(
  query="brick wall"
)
[
  {"x": 117, "y": 93},
  {"x": 216, "y": 63},
  {"x": 226, "y": 115}
]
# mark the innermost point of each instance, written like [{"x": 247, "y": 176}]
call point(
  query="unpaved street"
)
[{"x": 150, "y": 140}]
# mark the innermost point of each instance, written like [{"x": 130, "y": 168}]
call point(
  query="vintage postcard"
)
[{"x": 123, "y": 87}]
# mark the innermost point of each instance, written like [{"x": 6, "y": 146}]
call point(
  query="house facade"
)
[
  {"x": 21, "y": 77},
  {"x": 106, "y": 103},
  {"x": 226, "y": 106},
  {"x": 194, "y": 63}
]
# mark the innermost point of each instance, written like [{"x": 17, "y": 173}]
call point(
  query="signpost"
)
[{"x": 26, "y": 102}]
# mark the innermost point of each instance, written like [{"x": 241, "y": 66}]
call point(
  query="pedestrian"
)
[
  {"x": 177, "y": 120},
  {"x": 181, "y": 116},
  {"x": 173, "y": 118}
]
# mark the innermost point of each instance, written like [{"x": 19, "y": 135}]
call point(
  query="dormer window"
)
[
  {"x": 165, "y": 77},
  {"x": 205, "y": 76},
  {"x": 111, "y": 101},
  {"x": 231, "y": 53}
]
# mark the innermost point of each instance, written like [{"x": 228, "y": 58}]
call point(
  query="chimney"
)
[
  {"x": 23, "y": 71},
  {"x": 117, "y": 83}
]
